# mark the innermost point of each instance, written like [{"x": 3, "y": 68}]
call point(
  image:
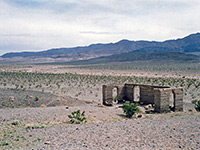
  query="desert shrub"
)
[
  {"x": 77, "y": 117},
  {"x": 130, "y": 109},
  {"x": 3, "y": 143},
  {"x": 36, "y": 98},
  {"x": 15, "y": 123},
  {"x": 196, "y": 104}
]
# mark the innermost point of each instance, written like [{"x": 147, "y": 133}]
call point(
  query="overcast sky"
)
[{"x": 43, "y": 24}]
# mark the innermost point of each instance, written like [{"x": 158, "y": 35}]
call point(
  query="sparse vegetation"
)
[
  {"x": 76, "y": 85},
  {"x": 4, "y": 143},
  {"x": 16, "y": 123},
  {"x": 130, "y": 109},
  {"x": 77, "y": 117},
  {"x": 36, "y": 98},
  {"x": 35, "y": 86},
  {"x": 197, "y": 105},
  {"x": 10, "y": 137}
]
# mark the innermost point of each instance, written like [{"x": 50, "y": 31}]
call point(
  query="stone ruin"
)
[{"x": 163, "y": 98}]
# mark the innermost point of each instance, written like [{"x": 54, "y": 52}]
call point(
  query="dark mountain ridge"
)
[
  {"x": 190, "y": 43},
  {"x": 157, "y": 57}
]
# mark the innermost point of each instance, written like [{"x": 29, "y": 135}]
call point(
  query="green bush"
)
[
  {"x": 3, "y": 143},
  {"x": 196, "y": 104},
  {"x": 77, "y": 117},
  {"x": 36, "y": 98},
  {"x": 15, "y": 123},
  {"x": 130, "y": 109}
]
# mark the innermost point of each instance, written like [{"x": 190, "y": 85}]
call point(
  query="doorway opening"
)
[
  {"x": 115, "y": 95},
  {"x": 172, "y": 101},
  {"x": 136, "y": 95}
]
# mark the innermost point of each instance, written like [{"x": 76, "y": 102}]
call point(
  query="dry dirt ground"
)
[
  {"x": 15, "y": 98},
  {"x": 107, "y": 128},
  {"x": 44, "y": 124}
]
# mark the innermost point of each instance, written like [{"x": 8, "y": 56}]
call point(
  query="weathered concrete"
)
[
  {"x": 161, "y": 100},
  {"x": 129, "y": 92},
  {"x": 158, "y": 95},
  {"x": 108, "y": 94},
  {"x": 178, "y": 99},
  {"x": 146, "y": 94}
]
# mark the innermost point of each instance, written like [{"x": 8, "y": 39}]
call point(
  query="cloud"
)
[
  {"x": 106, "y": 33},
  {"x": 15, "y": 35},
  {"x": 44, "y": 24}
]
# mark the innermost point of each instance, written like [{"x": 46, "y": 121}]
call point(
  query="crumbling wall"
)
[
  {"x": 108, "y": 94},
  {"x": 129, "y": 92},
  {"x": 178, "y": 99},
  {"x": 161, "y": 100},
  {"x": 146, "y": 94},
  {"x": 121, "y": 93},
  {"x": 158, "y": 95}
]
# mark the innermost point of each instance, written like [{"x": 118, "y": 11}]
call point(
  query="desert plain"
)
[{"x": 35, "y": 101}]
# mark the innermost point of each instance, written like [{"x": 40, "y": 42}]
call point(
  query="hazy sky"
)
[{"x": 44, "y": 24}]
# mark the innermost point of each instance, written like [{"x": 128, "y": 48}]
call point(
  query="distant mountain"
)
[
  {"x": 190, "y": 43},
  {"x": 139, "y": 56}
]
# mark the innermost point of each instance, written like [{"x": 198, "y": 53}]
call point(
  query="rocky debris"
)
[
  {"x": 147, "y": 107},
  {"x": 47, "y": 143},
  {"x": 12, "y": 98},
  {"x": 139, "y": 115}
]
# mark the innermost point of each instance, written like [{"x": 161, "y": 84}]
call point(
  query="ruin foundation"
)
[{"x": 155, "y": 95}]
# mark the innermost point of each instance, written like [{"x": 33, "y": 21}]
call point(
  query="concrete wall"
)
[
  {"x": 178, "y": 99},
  {"x": 121, "y": 93},
  {"x": 146, "y": 94},
  {"x": 161, "y": 100},
  {"x": 108, "y": 94},
  {"x": 158, "y": 95},
  {"x": 129, "y": 92}
]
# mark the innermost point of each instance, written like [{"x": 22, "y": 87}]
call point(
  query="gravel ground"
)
[
  {"x": 107, "y": 128},
  {"x": 132, "y": 134}
]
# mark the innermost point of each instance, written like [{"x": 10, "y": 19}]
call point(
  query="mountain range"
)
[{"x": 125, "y": 48}]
